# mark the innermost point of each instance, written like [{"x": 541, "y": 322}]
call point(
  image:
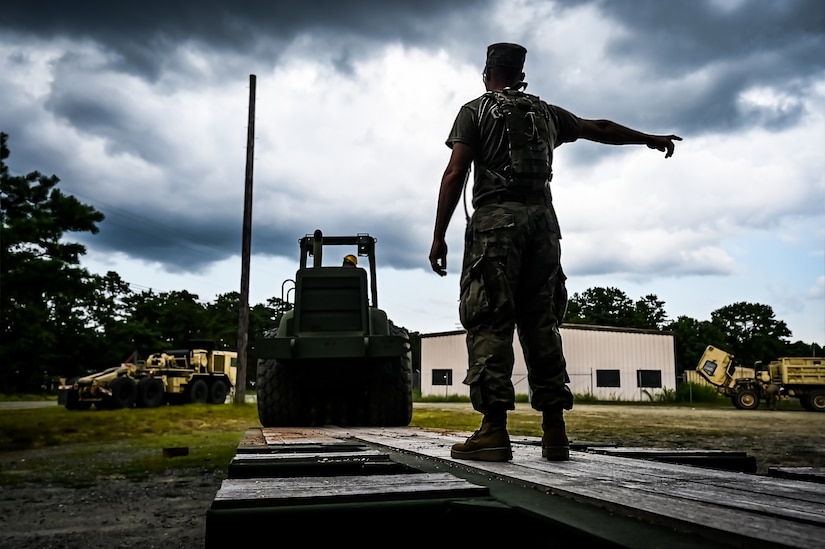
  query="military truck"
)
[
  {"x": 335, "y": 358},
  {"x": 197, "y": 374},
  {"x": 795, "y": 377}
]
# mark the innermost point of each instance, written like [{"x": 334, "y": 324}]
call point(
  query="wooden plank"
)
[
  {"x": 293, "y": 440},
  {"x": 273, "y": 492},
  {"x": 715, "y": 459},
  {"x": 625, "y": 451},
  {"x": 811, "y": 474},
  {"x": 363, "y": 456},
  {"x": 296, "y": 448},
  {"x": 313, "y": 464},
  {"x": 758, "y": 508},
  {"x": 700, "y": 507},
  {"x": 711, "y": 478},
  {"x": 297, "y": 436},
  {"x": 439, "y": 444}
]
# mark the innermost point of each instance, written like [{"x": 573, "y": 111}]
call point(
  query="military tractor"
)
[
  {"x": 335, "y": 357},
  {"x": 795, "y": 377},
  {"x": 198, "y": 374}
]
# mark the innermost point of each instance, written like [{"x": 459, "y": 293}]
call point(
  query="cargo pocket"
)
[
  {"x": 485, "y": 290},
  {"x": 473, "y": 375},
  {"x": 475, "y": 304}
]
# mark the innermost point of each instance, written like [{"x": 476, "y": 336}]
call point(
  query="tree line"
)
[{"x": 60, "y": 320}]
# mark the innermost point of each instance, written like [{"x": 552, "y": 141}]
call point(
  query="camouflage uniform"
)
[
  {"x": 511, "y": 275},
  {"x": 772, "y": 395}
]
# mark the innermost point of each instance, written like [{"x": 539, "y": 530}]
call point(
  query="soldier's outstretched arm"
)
[
  {"x": 452, "y": 182},
  {"x": 611, "y": 133}
]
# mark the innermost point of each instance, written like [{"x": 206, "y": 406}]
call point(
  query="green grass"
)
[
  {"x": 41, "y": 427},
  {"x": 56, "y": 445},
  {"x": 75, "y": 447}
]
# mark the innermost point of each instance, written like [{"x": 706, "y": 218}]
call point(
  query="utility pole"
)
[{"x": 243, "y": 321}]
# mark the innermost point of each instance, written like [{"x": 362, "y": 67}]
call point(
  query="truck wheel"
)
[
  {"x": 124, "y": 392},
  {"x": 279, "y": 391},
  {"x": 217, "y": 392},
  {"x": 73, "y": 400},
  {"x": 746, "y": 399},
  {"x": 816, "y": 401},
  {"x": 149, "y": 393},
  {"x": 389, "y": 391},
  {"x": 389, "y": 394},
  {"x": 197, "y": 392}
]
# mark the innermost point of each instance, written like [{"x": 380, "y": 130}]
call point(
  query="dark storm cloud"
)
[
  {"x": 680, "y": 36},
  {"x": 191, "y": 242},
  {"x": 109, "y": 115},
  {"x": 141, "y": 33},
  {"x": 393, "y": 246},
  {"x": 776, "y": 44},
  {"x": 182, "y": 242}
]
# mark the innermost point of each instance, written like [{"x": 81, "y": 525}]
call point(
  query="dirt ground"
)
[
  {"x": 158, "y": 513},
  {"x": 169, "y": 510}
]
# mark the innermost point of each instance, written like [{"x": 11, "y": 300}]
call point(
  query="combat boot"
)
[
  {"x": 490, "y": 443},
  {"x": 554, "y": 443}
]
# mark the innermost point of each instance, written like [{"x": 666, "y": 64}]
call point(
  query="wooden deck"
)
[{"x": 404, "y": 478}]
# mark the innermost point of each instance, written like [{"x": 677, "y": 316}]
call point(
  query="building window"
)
[
  {"x": 608, "y": 378},
  {"x": 649, "y": 378},
  {"x": 442, "y": 377}
]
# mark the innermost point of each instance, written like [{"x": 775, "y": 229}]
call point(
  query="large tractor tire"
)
[
  {"x": 73, "y": 398},
  {"x": 389, "y": 393},
  {"x": 197, "y": 391},
  {"x": 279, "y": 395},
  {"x": 746, "y": 399},
  {"x": 149, "y": 393},
  {"x": 73, "y": 401},
  {"x": 390, "y": 389},
  {"x": 218, "y": 390},
  {"x": 124, "y": 393},
  {"x": 816, "y": 401}
]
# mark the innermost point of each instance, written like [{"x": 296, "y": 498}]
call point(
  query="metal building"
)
[{"x": 605, "y": 362}]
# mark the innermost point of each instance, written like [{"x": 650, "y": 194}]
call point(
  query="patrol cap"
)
[{"x": 504, "y": 54}]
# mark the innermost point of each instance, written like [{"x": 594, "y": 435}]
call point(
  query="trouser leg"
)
[
  {"x": 538, "y": 317},
  {"x": 491, "y": 259},
  {"x": 490, "y": 371},
  {"x": 544, "y": 356}
]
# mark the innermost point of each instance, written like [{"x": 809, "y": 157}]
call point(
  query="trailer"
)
[{"x": 383, "y": 484}]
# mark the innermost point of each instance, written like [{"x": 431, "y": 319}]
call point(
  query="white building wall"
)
[{"x": 587, "y": 349}]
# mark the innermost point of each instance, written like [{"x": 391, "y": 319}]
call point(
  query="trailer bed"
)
[{"x": 402, "y": 481}]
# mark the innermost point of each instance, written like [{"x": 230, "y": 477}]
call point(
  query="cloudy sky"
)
[{"x": 141, "y": 109}]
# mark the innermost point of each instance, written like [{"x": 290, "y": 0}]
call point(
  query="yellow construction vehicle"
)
[
  {"x": 793, "y": 377},
  {"x": 197, "y": 374}
]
